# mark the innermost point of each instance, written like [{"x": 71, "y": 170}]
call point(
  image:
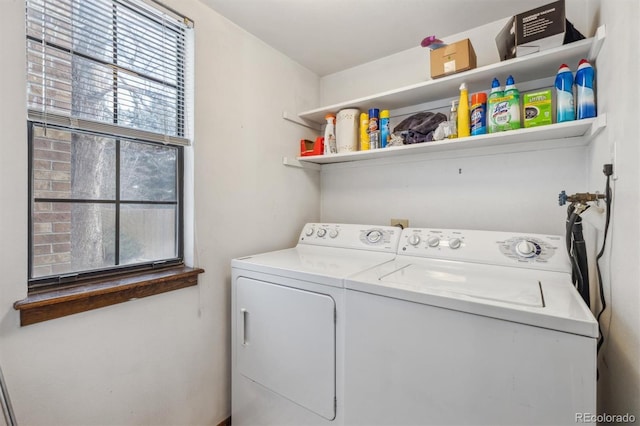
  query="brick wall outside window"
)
[{"x": 51, "y": 221}]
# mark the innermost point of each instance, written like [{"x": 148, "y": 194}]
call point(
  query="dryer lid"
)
[{"x": 317, "y": 264}]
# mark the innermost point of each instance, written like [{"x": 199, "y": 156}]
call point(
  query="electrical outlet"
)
[
  {"x": 402, "y": 223},
  {"x": 614, "y": 159}
]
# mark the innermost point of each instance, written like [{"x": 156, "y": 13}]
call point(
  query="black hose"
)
[
  {"x": 577, "y": 251},
  {"x": 603, "y": 303},
  {"x": 576, "y": 275},
  {"x": 580, "y": 255}
]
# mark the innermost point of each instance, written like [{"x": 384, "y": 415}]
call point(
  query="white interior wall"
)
[
  {"x": 470, "y": 189},
  {"x": 412, "y": 65},
  {"x": 518, "y": 191},
  {"x": 403, "y": 68},
  {"x": 618, "y": 94},
  {"x": 507, "y": 192},
  {"x": 165, "y": 359}
]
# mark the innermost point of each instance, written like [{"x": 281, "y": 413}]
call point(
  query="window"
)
[{"x": 108, "y": 115}]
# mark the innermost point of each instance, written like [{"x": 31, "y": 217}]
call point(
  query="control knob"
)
[
  {"x": 455, "y": 243},
  {"x": 526, "y": 248},
  {"x": 433, "y": 241},
  {"x": 308, "y": 232},
  {"x": 374, "y": 236},
  {"x": 321, "y": 232},
  {"x": 333, "y": 233},
  {"x": 414, "y": 239}
]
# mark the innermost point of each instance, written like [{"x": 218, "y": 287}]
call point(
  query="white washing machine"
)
[
  {"x": 288, "y": 324},
  {"x": 469, "y": 327}
]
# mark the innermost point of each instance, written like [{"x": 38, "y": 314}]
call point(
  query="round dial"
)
[
  {"x": 526, "y": 248},
  {"x": 455, "y": 243},
  {"x": 414, "y": 239},
  {"x": 374, "y": 236},
  {"x": 433, "y": 241},
  {"x": 321, "y": 232},
  {"x": 333, "y": 233},
  {"x": 530, "y": 249},
  {"x": 308, "y": 232}
]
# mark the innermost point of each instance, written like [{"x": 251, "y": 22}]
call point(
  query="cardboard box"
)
[
  {"x": 453, "y": 58},
  {"x": 537, "y": 107},
  {"x": 538, "y": 29}
]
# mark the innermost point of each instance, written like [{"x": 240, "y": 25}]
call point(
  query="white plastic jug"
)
[{"x": 347, "y": 130}]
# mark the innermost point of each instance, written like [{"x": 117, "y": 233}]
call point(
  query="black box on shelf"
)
[{"x": 538, "y": 29}]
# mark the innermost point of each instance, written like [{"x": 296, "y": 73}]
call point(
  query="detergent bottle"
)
[
  {"x": 585, "y": 94},
  {"x": 463, "y": 112},
  {"x": 564, "y": 95},
  {"x": 374, "y": 128},
  {"x": 478, "y": 113},
  {"x": 330, "y": 146},
  {"x": 385, "y": 136},
  {"x": 512, "y": 96},
  {"x": 496, "y": 108},
  {"x": 453, "y": 120},
  {"x": 364, "y": 131}
]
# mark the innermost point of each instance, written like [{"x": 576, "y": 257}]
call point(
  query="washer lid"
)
[
  {"x": 492, "y": 284},
  {"x": 539, "y": 298}
]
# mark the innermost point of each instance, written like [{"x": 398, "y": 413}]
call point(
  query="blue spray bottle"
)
[
  {"x": 564, "y": 95},
  {"x": 585, "y": 94}
]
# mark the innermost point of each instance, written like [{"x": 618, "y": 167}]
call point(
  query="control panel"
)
[
  {"x": 527, "y": 248},
  {"x": 490, "y": 247},
  {"x": 364, "y": 237},
  {"x": 433, "y": 239}
]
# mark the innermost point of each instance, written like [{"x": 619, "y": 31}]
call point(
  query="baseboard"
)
[{"x": 225, "y": 422}]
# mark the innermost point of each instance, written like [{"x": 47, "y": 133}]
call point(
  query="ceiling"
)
[{"x": 327, "y": 36}]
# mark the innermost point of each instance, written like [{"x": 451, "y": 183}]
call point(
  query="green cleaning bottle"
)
[
  {"x": 496, "y": 109},
  {"x": 513, "y": 98}
]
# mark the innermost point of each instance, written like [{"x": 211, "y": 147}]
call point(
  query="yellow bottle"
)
[
  {"x": 364, "y": 131},
  {"x": 463, "y": 112}
]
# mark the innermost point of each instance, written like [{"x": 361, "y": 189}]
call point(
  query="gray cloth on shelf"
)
[{"x": 419, "y": 127}]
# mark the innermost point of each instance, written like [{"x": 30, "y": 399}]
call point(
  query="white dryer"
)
[
  {"x": 469, "y": 327},
  {"x": 288, "y": 323}
]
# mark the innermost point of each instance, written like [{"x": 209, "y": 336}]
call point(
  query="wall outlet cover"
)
[{"x": 403, "y": 223}]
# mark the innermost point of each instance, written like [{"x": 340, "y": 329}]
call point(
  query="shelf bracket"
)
[
  {"x": 301, "y": 122},
  {"x": 599, "y": 124},
  {"x": 598, "y": 39},
  {"x": 292, "y": 162}
]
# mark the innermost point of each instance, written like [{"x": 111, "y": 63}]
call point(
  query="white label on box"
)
[{"x": 450, "y": 67}]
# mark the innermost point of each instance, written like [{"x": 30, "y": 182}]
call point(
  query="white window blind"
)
[{"x": 119, "y": 67}]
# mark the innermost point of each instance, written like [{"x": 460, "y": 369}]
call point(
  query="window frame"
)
[
  {"x": 73, "y": 124},
  {"x": 54, "y": 281}
]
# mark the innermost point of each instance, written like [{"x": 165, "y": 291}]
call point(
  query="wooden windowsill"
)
[{"x": 45, "y": 305}]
